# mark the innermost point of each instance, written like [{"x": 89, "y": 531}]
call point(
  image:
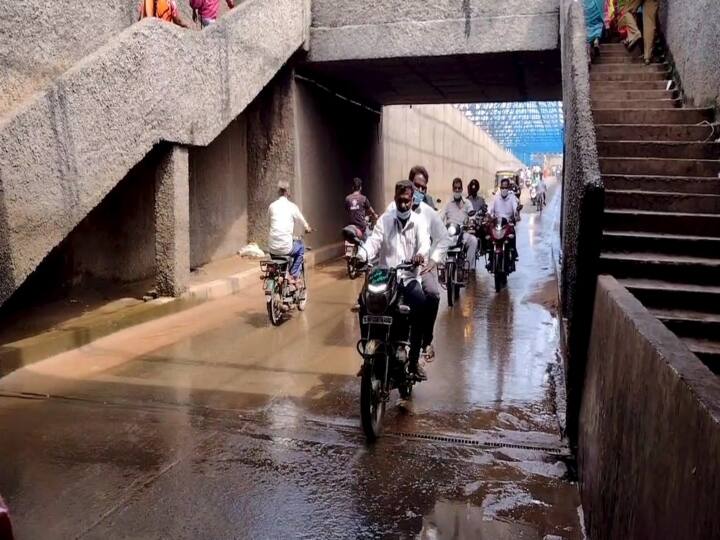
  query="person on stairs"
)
[{"x": 649, "y": 8}]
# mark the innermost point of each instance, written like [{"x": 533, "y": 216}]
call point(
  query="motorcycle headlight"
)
[
  {"x": 377, "y": 288},
  {"x": 452, "y": 230},
  {"x": 498, "y": 233},
  {"x": 376, "y": 303}
]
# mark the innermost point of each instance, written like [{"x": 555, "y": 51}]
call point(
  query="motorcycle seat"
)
[{"x": 281, "y": 259}]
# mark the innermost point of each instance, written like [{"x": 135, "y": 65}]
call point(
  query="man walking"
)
[{"x": 650, "y": 8}]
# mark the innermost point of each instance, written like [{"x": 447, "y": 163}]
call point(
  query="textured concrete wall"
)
[
  {"x": 346, "y": 29},
  {"x": 336, "y": 142},
  {"x": 153, "y": 82},
  {"x": 218, "y": 195},
  {"x": 692, "y": 32},
  {"x": 650, "y": 428},
  {"x": 582, "y": 204},
  {"x": 172, "y": 221},
  {"x": 272, "y": 150},
  {"x": 442, "y": 139}
]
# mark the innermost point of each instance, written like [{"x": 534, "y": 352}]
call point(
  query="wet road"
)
[{"x": 211, "y": 424}]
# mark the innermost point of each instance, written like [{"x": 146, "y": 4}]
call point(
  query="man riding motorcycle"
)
[
  {"x": 457, "y": 211},
  {"x": 358, "y": 208},
  {"x": 283, "y": 216},
  {"x": 440, "y": 241},
  {"x": 505, "y": 205},
  {"x": 480, "y": 206},
  {"x": 401, "y": 235}
]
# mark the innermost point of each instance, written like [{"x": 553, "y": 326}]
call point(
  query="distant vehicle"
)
[
  {"x": 280, "y": 295},
  {"x": 515, "y": 183}
]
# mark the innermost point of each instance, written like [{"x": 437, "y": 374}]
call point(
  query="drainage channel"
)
[{"x": 477, "y": 443}]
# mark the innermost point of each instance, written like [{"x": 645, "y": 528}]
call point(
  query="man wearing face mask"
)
[
  {"x": 401, "y": 235},
  {"x": 457, "y": 211},
  {"x": 505, "y": 205},
  {"x": 440, "y": 241}
]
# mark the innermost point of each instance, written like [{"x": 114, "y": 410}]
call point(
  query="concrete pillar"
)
[{"x": 172, "y": 221}]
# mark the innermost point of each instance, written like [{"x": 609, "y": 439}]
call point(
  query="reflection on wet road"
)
[{"x": 211, "y": 424}]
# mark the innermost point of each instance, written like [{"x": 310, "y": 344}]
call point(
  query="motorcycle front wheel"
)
[
  {"x": 449, "y": 285},
  {"x": 499, "y": 281},
  {"x": 372, "y": 405}
]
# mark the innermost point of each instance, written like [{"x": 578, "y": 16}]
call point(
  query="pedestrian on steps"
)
[
  {"x": 594, "y": 24},
  {"x": 165, "y": 10},
  {"x": 207, "y": 10},
  {"x": 649, "y": 8}
]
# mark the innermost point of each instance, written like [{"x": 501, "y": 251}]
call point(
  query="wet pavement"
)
[{"x": 210, "y": 423}]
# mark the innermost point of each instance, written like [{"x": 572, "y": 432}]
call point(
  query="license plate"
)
[{"x": 377, "y": 319}]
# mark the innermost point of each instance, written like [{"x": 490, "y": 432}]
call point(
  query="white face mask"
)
[
  {"x": 457, "y": 195},
  {"x": 403, "y": 215},
  {"x": 504, "y": 193}
]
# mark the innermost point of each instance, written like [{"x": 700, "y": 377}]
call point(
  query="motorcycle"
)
[
  {"x": 351, "y": 250},
  {"x": 500, "y": 256},
  {"x": 384, "y": 344},
  {"x": 281, "y": 296},
  {"x": 454, "y": 272}
]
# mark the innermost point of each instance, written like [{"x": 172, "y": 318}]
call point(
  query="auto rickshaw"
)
[{"x": 513, "y": 176}]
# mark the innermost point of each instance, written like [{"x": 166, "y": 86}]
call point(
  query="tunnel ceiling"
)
[{"x": 498, "y": 77}]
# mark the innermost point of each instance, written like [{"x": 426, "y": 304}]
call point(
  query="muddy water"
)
[{"x": 211, "y": 424}]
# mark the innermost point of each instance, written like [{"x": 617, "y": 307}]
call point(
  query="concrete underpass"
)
[{"x": 143, "y": 392}]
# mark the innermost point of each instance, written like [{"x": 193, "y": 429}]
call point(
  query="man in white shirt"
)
[
  {"x": 283, "y": 215},
  {"x": 542, "y": 190},
  {"x": 457, "y": 211},
  {"x": 505, "y": 205},
  {"x": 439, "y": 244},
  {"x": 401, "y": 235}
]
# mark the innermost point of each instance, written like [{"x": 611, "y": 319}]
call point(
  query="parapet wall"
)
[
  {"x": 583, "y": 202},
  {"x": 153, "y": 82},
  {"x": 348, "y": 30},
  {"x": 692, "y": 32},
  {"x": 443, "y": 140},
  {"x": 650, "y": 428}
]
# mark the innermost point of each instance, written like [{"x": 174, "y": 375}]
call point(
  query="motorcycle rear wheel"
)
[
  {"x": 372, "y": 406},
  {"x": 303, "y": 293},
  {"x": 274, "y": 307}
]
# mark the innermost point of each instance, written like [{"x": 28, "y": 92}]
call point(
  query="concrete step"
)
[
  {"x": 662, "y": 201},
  {"x": 609, "y": 94},
  {"x": 653, "y": 116},
  {"x": 660, "y": 166},
  {"x": 618, "y": 48},
  {"x": 598, "y": 103},
  {"x": 631, "y": 76},
  {"x": 656, "y": 294},
  {"x": 614, "y": 58},
  {"x": 629, "y": 85},
  {"x": 667, "y": 132},
  {"x": 670, "y": 244},
  {"x": 660, "y": 149},
  {"x": 676, "y": 184},
  {"x": 623, "y": 67},
  {"x": 660, "y": 266},
  {"x": 707, "y": 350},
  {"x": 690, "y": 324},
  {"x": 662, "y": 222}
]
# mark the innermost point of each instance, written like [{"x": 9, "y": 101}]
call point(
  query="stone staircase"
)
[{"x": 661, "y": 234}]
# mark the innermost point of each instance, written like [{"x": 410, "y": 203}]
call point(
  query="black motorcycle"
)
[
  {"x": 384, "y": 344},
  {"x": 453, "y": 273}
]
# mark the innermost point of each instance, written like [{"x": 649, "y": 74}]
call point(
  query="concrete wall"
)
[
  {"x": 347, "y": 29},
  {"x": 153, "y": 82},
  {"x": 650, "y": 428},
  {"x": 218, "y": 195},
  {"x": 692, "y": 32},
  {"x": 337, "y": 140},
  {"x": 442, "y": 139},
  {"x": 582, "y": 204}
]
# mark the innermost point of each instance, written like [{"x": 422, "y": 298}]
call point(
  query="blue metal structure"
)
[{"x": 526, "y": 128}]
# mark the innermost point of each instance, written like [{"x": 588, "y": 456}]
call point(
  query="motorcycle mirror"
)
[
  {"x": 472, "y": 213},
  {"x": 350, "y": 235}
]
